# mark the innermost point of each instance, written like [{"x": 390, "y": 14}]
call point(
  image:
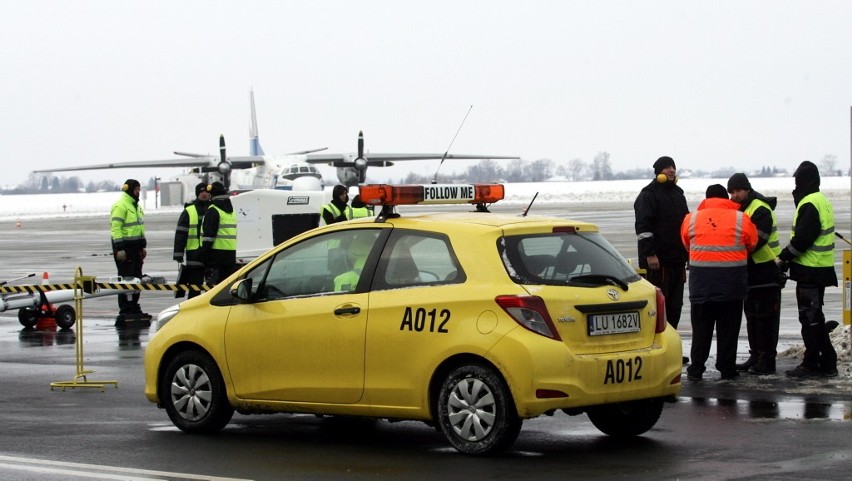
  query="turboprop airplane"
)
[{"x": 258, "y": 170}]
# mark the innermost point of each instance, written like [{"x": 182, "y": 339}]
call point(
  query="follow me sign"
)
[{"x": 447, "y": 194}]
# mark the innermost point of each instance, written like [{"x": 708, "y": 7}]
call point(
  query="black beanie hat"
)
[
  {"x": 216, "y": 188},
  {"x": 200, "y": 188},
  {"x": 129, "y": 185},
  {"x": 338, "y": 189},
  {"x": 738, "y": 181},
  {"x": 716, "y": 191},
  {"x": 807, "y": 174},
  {"x": 662, "y": 163}
]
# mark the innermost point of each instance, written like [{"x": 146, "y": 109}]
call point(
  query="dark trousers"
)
[
  {"x": 670, "y": 280},
  {"x": 217, "y": 272},
  {"x": 727, "y": 317},
  {"x": 763, "y": 316},
  {"x": 819, "y": 353},
  {"x": 132, "y": 267},
  {"x": 193, "y": 275}
]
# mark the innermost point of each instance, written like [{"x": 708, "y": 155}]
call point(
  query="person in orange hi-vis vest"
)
[{"x": 718, "y": 238}]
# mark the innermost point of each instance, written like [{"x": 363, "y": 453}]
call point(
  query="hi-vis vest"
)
[
  {"x": 717, "y": 247},
  {"x": 126, "y": 221},
  {"x": 226, "y": 236},
  {"x": 772, "y": 248},
  {"x": 336, "y": 212},
  {"x": 821, "y": 253},
  {"x": 358, "y": 212},
  {"x": 193, "y": 240}
]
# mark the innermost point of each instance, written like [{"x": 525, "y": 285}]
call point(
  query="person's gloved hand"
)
[
  {"x": 178, "y": 258},
  {"x": 121, "y": 256}
]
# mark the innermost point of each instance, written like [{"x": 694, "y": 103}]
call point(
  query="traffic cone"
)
[{"x": 45, "y": 279}]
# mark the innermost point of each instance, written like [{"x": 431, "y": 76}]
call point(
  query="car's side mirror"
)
[{"x": 242, "y": 289}]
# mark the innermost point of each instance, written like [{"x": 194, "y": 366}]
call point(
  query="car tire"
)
[
  {"x": 193, "y": 394},
  {"x": 476, "y": 412},
  {"x": 65, "y": 316},
  {"x": 28, "y": 316},
  {"x": 625, "y": 419}
]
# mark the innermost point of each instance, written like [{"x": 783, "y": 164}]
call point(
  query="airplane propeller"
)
[
  {"x": 224, "y": 167},
  {"x": 360, "y": 163}
]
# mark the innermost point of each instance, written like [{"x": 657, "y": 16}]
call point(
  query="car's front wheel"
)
[
  {"x": 630, "y": 418},
  {"x": 476, "y": 412},
  {"x": 193, "y": 393}
]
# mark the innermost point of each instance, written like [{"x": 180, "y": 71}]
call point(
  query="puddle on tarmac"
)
[{"x": 787, "y": 409}]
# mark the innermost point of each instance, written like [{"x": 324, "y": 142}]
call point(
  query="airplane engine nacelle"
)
[{"x": 361, "y": 164}]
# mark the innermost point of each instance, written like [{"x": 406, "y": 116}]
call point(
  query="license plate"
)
[{"x": 618, "y": 323}]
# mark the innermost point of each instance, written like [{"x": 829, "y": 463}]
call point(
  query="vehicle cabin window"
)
[
  {"x": 560, "y": 258},
  {"x": 314, "y": 266},
  {"x": 419, "y": 259}
]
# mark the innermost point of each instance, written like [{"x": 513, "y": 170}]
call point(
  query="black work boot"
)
[
  {"x": 751, "y": 361},
  {"x": 763, "y": 367}
]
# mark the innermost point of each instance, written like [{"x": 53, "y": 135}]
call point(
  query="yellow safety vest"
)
[
  {"x": 193, "y": 240},
  {"x": 772, "y": 248},
  {"x": 358, "y": 212},
  {"x": 821, "y": 253},
  {"x": 226, "y": 236}
]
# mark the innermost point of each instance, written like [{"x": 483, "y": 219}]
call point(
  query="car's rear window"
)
[{"x": 563, "y": 258}]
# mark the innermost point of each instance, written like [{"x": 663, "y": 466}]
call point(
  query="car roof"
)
[{"x": 486, "y": 220}]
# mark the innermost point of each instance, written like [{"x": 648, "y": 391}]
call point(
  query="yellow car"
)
[{"x": 470, "y": 322}]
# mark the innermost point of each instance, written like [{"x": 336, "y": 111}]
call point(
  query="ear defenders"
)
[
  {"x": 663, "y": 178},
  {"x": 125, "y": 187}
]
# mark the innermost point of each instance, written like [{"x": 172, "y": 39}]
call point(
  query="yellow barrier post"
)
[{"x": 81, "y": 380}]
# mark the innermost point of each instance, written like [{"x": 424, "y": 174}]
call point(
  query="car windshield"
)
[{"x": 565, "y": 258}]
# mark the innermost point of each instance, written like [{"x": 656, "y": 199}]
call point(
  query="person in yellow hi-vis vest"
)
[
  {"x": 188, "y": 238},
  {"x": 358, "y": 251},
  {"x": 219, "y": 236},
  {"x": 127, "y": 232},
  {"x": 338, "y": 209},
  {"x": 810, "y": 257}
]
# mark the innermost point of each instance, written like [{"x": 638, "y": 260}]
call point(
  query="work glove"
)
[
  {"x": 121, "y": 256},
  {"x": 178, "y": 258}
]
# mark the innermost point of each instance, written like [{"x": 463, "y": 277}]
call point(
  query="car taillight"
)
[
  {"x": 530, "y": 312},
  {"x": 661, "y": 312}
]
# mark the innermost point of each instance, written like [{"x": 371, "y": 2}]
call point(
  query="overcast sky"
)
[{"x": 712, "y": 84}]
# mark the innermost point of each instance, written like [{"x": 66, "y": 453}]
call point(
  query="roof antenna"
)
[
  {"x": 435, "y": 177},
  {"x": 524, "y": 213}
]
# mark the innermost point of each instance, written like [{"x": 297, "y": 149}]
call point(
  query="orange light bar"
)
[{"x": 384, "y": 194}]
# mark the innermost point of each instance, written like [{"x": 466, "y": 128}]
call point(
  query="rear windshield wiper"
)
[{"x": 600, "y": 279}]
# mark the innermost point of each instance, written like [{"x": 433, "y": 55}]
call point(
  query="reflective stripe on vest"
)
[
  {"x": 821, "y": 253},
  {"x": 772, "y": 248},
  {"x": 226, "y": 236},
  {"x": 718, "y": 247}
]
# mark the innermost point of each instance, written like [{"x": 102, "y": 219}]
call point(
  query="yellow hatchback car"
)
[{"x": 470, "y": 322}]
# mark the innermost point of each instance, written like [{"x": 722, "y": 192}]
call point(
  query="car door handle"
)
[{"x": 347, "y": 310}]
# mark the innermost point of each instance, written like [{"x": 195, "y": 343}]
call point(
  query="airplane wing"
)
[
  {"x": 195, "y": 161},
  {"x": 387, "y": 160}
]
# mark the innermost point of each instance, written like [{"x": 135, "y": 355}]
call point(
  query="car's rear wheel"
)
[
  {"x": 630, "y": 418},
  {"x": 476, "y": 412},
  {"x": 193, "y": 394}
]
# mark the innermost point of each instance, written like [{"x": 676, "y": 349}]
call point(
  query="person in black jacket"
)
[
  {"x": 338, "y": 210},
  {"x": 660, "y": 208},
  {"x": 219, "y": 236},
  {"x": 763, "y": 302},
  {"x": 188, "y": 239},
  {"x": 810, "y": 256}
]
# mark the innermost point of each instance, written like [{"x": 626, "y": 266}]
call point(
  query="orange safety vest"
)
[{"x": 718, "y": 235}]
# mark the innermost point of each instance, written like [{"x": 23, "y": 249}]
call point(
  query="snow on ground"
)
[{"x": 13, "y": 207}]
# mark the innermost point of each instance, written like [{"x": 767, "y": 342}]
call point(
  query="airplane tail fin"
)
[{"x": 254, "y": 141}]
